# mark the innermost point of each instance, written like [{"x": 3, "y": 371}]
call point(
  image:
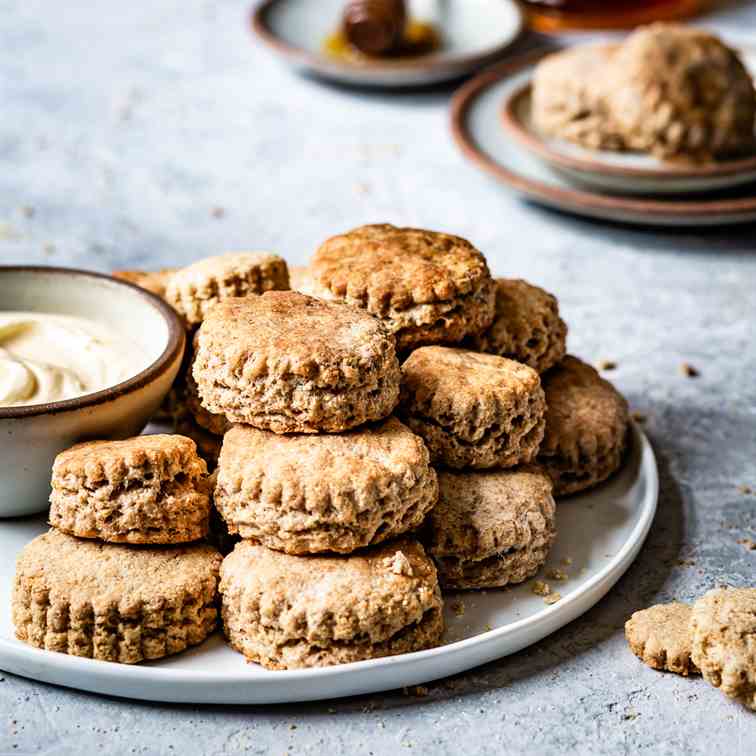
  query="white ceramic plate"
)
[
  {"x": 600, "y": 532},
  {"x": 477, "y": 126},
  {"x": 621, "y": 172},
  {"x": 474, "y": 32}
]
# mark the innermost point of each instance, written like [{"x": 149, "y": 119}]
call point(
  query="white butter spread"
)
[{"x": 48, "y": 358}]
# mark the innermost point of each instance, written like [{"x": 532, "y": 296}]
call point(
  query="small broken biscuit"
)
[
  {"x": 194, "y": 290},
  {"x": 147, "y": 489},
  {"x": 723, "y": 625},
  {"x": 114, "y": 602},
  {"x": 427, "y": 287},
  {"x": 473, "y": 410},
  {"x": 661, "y": 637}
]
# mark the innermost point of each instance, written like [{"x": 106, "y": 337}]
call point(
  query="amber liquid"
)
[
  {"x": 420, "y": 38},
  {"x": 560, "y": 15}
]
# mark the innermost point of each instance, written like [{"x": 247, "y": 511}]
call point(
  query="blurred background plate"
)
[
  {"x": 473, "y": 32},
  {"x": 599, "y": 535},
  {"x": 479, "y": 132}
]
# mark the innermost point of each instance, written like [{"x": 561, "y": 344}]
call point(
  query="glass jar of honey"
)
[{"x": 562, "y": 15}]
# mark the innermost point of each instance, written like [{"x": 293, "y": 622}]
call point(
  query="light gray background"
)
[{"x": 127, "y": 127}]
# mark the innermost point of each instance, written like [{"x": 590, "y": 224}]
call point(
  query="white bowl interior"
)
[{"x": 124, "y": 310}]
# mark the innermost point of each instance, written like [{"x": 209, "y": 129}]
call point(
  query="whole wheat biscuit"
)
[
  {"x": 723, "y": 624},
  {"x": 568, "y": 97},
  {"x": 586, "y": 427},
  {"x": 287, "y": 611},
  {"x": 473, "y": 410},
  {"x": 527, "y": 326},
  {"x": 490, "y": 529},
  {"x": 148, "y": 489},
  {"x": 154, "y": 281},
  {"x": 288, "y": 363},
  {"x": 661, "y": 637},
  {"x": 212, "y": 423},
  {"x": 307, "y": 494},
  {"x": 113, "y": 602},
  {"x": 194, "y": 290},
  {"x": 677, "y": 91},
  {"x": 428, "y": 287}
]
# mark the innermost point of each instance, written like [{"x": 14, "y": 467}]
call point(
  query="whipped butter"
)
[{"x": 48, "y": 358}]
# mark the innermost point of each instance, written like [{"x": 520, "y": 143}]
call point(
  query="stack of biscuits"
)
[{"x": 395, "y": 423}]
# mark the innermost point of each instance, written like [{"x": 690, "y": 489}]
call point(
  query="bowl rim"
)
[{"x": 174, "y": 347}]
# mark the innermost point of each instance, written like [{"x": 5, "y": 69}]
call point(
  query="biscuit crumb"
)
[
  {"x": 218, "y": 212},
  {"x": 639, "y": 417},
  {"x": 567, "y": 561},
  {"x": 419, "y": 691},
  {"x": 458, "y": 608},
  {"x": 27, "y": 211},
  {"x": 400, "y": 565},
  {"x": 552, "y": 598},
  {"x": 556, "y": 574},
  {"x": 689, "y": 371},
  {"x": 745, "y": 490},
  {"x": 540, "y": 588},
  {"x": 748, "y": 543},
  {"x": 606, "y": 365}
]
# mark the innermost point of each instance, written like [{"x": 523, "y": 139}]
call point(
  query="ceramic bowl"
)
[{"x": 31, "y": 436}]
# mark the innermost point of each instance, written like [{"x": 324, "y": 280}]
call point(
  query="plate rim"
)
[
  {"x": 579, "y": 201},
  {"x": 433, "y": 63},
  {"x": 42, "y": 665},
  {"x": 535, "y": 143}
]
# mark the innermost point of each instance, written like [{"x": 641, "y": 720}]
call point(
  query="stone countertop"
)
[{"x": 149, "y": 134}]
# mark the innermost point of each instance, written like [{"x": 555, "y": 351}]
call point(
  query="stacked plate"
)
[{"x": 492, "y": 124}]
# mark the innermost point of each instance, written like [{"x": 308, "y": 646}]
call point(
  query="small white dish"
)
[
  {"x": 599, "y": 535},
  {"x": 31, "y": 436},
  {"x": 473, "y": 32},
  {"x": 621, "y": 172},
  {"x": 478, "y": 131}
]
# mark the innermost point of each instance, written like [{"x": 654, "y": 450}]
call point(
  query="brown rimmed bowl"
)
[{"x": 31, "y": 436}]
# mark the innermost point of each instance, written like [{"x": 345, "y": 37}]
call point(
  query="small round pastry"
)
[
  {"x": 291, "y": 363},
  {"x": 472, "y": 410},
  {"x": 527, "y": 326},
  {"x": 113, "y": 602},
  {"x": 287, "y": 612},
  {"x": 677, "y": 91},
  {"x": 723, "y": 624},
  {"x": 147, "y": 489},
  {"x": 568, "y": 99},
  {"x": 490, "y": 529},
  {"x": 307, "y": 494},
  {"x": 661, "y": 637},
  {"x": 427, "y": 287},
  {"x": 194, "y": 290},
  {"x": 586, "y": 427},
  {"x": 155, "y": 281}
]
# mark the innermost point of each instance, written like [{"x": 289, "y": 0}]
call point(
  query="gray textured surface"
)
[{"x": 125, "y": 127}]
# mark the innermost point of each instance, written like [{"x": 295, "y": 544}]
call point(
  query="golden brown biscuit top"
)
[
  {"x": 82, "y": 571},
  {"x": 289, "y": 332},
  {"x": 163, "y": 454},
  {"x": 223, "y": 266},
  {"x": 383, "y": 267}
]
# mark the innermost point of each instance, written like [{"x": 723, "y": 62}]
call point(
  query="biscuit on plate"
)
[
  {"x": 586, "y": 427},
  {"x": 306, "y": 494},
  {"x": 291, "y": 363},
  {"x": 147, "y": 489},
  {"x": 490, "y": 529},
  {"x": 678, "y": 91},
  {"x": 195, "y": 289},
  {"x": 427, "y": 287},
  {"x": 568, "y": 99},
  {"x": 114, "y": 602},
  {"x": 154, "y": 281},
  {"x": 661, "y": 637},
  {"x": 285, "y": 611},
  {"x": 472, "y": 410},
  {"x": 527, "y": 326},
  {"x": 723, "y": 624}
]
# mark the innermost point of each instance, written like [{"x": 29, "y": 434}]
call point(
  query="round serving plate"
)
[
  {"x": 599, "y": 535},
  {"x": 473, "y": 33},
  {"x": 622, "y": 172},
  {"x": 478, "y": 130}
]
